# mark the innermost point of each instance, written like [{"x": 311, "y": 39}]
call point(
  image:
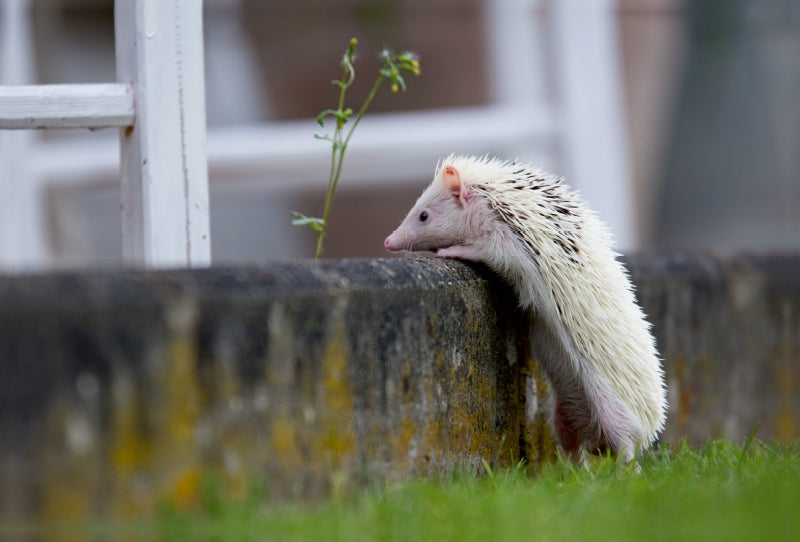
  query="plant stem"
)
[
  {"x": 336, "y": 165},
  {"x": 337, "y": 136},
  {"x": 364, "y": 107}
]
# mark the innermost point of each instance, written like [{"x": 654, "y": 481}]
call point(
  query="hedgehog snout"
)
[{"x": 393, "y": 243}]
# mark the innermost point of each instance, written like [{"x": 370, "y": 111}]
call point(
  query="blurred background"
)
[{"x": 678, "y": 120}]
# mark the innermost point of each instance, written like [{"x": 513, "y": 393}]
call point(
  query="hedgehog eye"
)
[{"x": 423, "y": 216}]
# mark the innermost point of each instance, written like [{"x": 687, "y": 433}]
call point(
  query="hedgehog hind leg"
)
[
  {"x": 618, "y": 426},
  {"x": 594, "y": 422},
  {"x": 566, "y": 433}
]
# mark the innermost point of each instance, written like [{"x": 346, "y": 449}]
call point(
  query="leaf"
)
[
  {"x": 302, "y": 220},
  {"x": 326, "y": 113},
  {"x": 324, "y": 137},
  {"x": 748, "y": 442},
  {"x": 488, "y": 468}
]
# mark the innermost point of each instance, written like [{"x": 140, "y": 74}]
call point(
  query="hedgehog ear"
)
[{"x": 453, "y": 183}]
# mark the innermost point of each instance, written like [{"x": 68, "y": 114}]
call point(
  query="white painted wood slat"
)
[
  {"x": 163, "y": 156},
  {"x": 22, "y": 242},
  {"x": 66, "y": 106},
  {"x": 592, "y": 114},
  {"x": 283, "y": 156}
]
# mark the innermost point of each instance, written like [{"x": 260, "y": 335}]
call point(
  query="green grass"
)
[{"x": 721, "y": 492}]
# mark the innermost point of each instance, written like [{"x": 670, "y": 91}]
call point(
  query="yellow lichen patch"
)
[
  {"x": 439, "y": 363},
  {"x": 182, "y": 389},
  {"x": 185, "y": 488},
  {"x": 470, "y": 424},
  {"x": 336, "y": 442},
  {"x": 338, "y": 439},
  {"x": 153, "y": 451},
  {"x": 174, "y": 436},
  {"x": 164, "y": 460},
  {"x": 337, "y": 391},
  {"x": 130, "y": 452},
  {"x": 284, "y": 443},
  {"x": 433, "y": 444}
]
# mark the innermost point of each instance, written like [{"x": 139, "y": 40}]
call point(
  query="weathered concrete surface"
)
[
  {"x": 728, "y": 330},
  {"x": 118, "y": 390},
  {"x": 121, "y": 389}
]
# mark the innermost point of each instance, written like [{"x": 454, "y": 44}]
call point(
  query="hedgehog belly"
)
[{"x": 587, "y": 412}]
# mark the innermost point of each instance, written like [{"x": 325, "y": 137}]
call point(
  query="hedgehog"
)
[{"x": 589, "y": 335}]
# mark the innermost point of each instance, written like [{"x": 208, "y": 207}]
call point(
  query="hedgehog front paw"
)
[{"x": 459, "y": 252}]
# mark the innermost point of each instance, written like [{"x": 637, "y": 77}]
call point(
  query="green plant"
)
[
  {"x": 391, "y": 68},
  {"x": 721, "y": 491}
]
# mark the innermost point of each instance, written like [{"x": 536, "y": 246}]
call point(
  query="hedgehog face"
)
[
  {"x": 436, "y": 221},
  {"x": 448, "y": 214}
]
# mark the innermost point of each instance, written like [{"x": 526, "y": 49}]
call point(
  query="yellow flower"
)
[
  {"x": 395, "y": 88},
  {"x": 353, "y": 41}
]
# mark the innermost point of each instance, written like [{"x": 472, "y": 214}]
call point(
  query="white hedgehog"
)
[{"x": 588, "y": 333}]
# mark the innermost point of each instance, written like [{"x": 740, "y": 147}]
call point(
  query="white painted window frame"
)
[
  {"x": 159, "y": 105},
  {"x": 580, "y": 134}
]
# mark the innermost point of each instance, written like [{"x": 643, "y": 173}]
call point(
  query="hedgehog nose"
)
[{"x": 391, "y": 244}]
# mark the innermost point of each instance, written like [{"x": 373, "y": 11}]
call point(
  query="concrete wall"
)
[
  {"x": 729, "y": 333},
  {"x": 119, "y": 390}
]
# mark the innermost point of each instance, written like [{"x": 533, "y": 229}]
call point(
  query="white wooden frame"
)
[
  {"x": 164, "y": 171},
  {"x": 592, "y": 120},
  {"x": 580, "y": 133},
  {"x": 66, "y": 106},
  {"x": 159, "y": 103}
]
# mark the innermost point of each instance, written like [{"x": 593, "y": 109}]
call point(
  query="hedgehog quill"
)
[{"x": 588, "y": 333}]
